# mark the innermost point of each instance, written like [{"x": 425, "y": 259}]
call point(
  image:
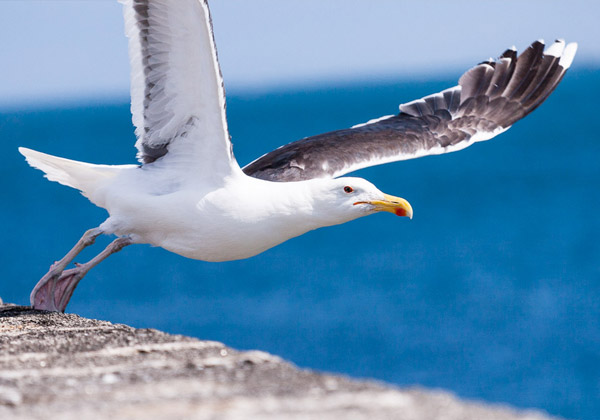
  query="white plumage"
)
[{"x": 191, "y": 197}]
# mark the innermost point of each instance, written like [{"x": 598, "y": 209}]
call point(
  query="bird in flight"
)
[{"x": 190, "y": 196}]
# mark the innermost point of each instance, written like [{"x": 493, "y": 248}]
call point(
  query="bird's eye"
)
[{"x": 348, "y": 189}]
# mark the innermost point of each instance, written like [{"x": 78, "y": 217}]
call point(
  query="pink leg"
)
[
  {"x": 53, "y": 291},
  {"x": 42, "y": 294}
]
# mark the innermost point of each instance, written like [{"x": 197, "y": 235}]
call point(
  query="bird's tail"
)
[{"x": 85, "y": 177}]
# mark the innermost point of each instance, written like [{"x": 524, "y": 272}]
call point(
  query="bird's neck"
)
[{"x": 293, "y": 207}]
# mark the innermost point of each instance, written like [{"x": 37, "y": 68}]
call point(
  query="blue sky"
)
[{"x": 64, "y": 50}]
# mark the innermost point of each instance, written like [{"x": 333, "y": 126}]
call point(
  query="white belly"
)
[{"x": 219, "y": 226}]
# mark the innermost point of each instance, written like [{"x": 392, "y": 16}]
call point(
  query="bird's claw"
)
[{"x": 53, "y": 291}]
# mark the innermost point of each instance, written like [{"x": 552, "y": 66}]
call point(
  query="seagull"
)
[{"x": 190, "y": 196}]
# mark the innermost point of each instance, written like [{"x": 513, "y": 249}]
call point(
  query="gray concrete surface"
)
[{"x": 62, "y": 366}]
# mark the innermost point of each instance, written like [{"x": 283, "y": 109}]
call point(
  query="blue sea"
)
[{"x": 492, "y": 291}]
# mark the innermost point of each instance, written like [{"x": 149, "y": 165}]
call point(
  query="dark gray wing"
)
[{"x": 489, "y": 98}]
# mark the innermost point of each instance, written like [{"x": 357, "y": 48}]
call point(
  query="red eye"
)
[{"x": 348, "y": 189}]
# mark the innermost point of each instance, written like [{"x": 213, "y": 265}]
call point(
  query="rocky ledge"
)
[{"x": 63, "y": 366}]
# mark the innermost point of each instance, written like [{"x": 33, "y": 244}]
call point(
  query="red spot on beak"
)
[{"x": 401, "y": 212}]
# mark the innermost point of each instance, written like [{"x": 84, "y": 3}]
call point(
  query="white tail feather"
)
[{"x": 85, "y": 177}]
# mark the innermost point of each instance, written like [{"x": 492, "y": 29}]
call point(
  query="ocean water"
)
[{"x": 492, "y": 291}]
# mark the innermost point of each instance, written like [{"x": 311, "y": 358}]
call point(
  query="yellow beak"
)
[{"x": 398, "y": 206}]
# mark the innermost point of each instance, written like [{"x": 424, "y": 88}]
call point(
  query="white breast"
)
[{"x": 240, "y": 219}]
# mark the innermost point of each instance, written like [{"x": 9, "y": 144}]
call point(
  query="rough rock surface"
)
[{"x": 63, "y": 366}]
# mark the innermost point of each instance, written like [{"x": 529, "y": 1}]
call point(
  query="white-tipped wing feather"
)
[
  {"x": 488, "y": 99},
  {"x": 177, "y": 95}
]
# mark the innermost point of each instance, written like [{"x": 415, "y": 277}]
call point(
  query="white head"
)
[
  {"x": 266, "y": 213},
  {"x": 343, "y": 199}
]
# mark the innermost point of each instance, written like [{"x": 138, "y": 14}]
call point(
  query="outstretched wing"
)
[
  {"x": 489, "y": 98},
  {"x": 177, "y": 94}
]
